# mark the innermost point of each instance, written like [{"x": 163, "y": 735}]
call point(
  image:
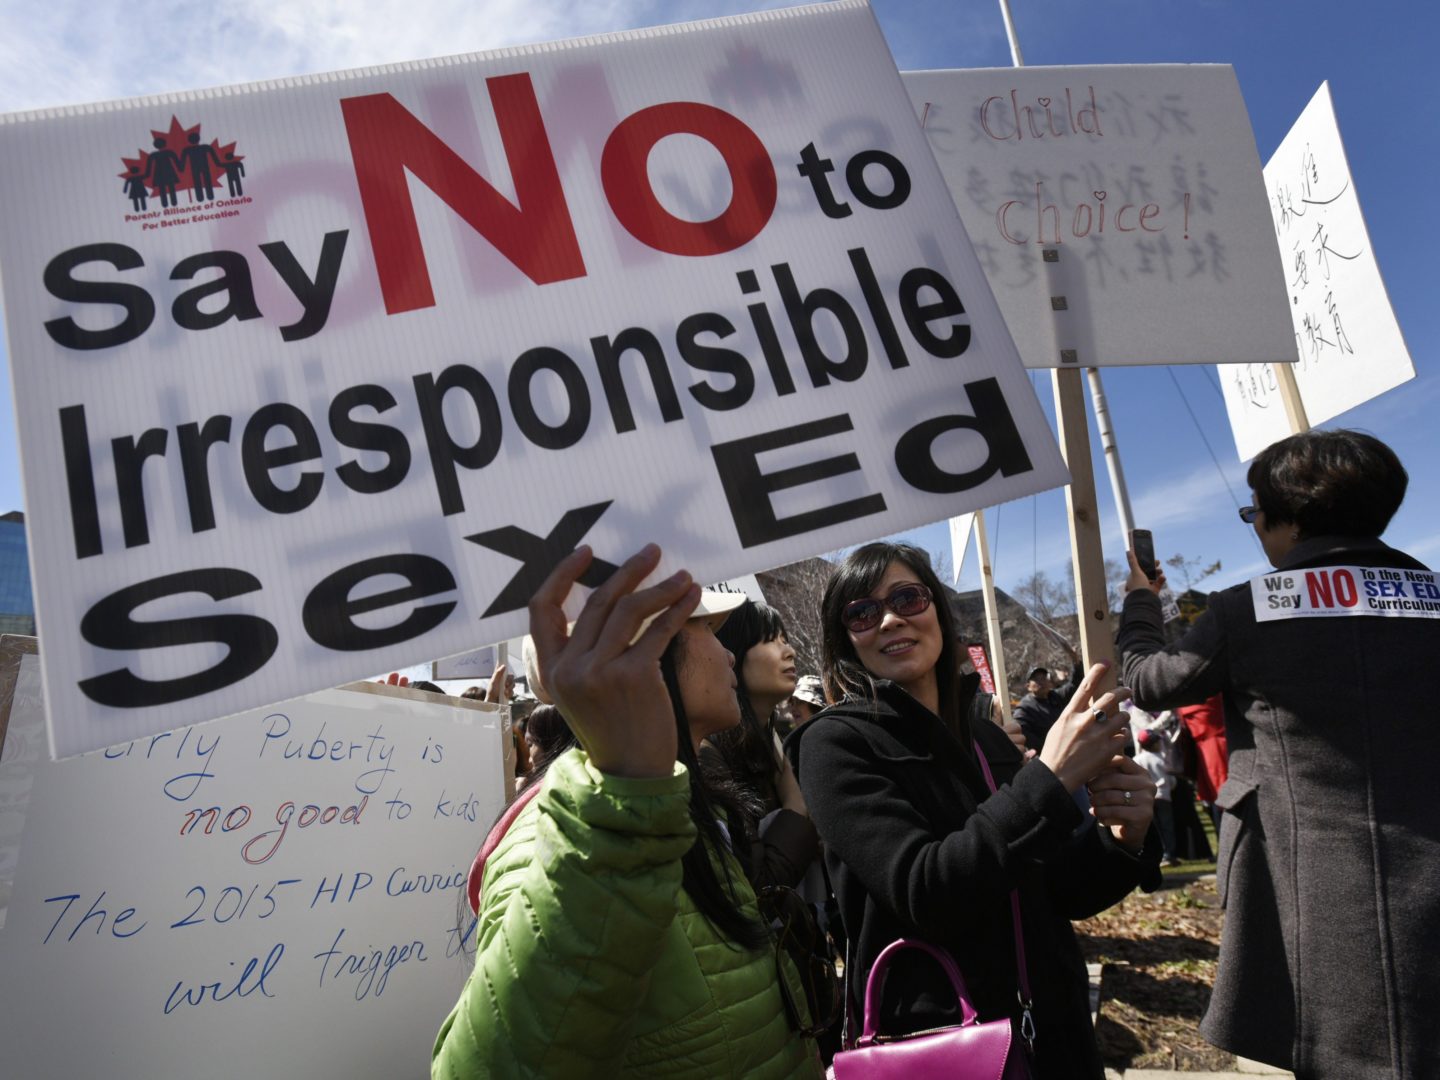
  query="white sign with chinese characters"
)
[
  {"x": 1351, "y": 348},
  {"x": 1118, "y": 212}
]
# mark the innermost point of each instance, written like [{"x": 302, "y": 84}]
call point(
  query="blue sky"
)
[{"x": 1374, "y": 55}]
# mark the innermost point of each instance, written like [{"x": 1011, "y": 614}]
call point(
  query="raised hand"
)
[
  {"x": 1138, "y": 579},
  {"x": 495, "y": 692},
  {"x": 1089, "y": 733},
  {"x": 610, "y": 690}
]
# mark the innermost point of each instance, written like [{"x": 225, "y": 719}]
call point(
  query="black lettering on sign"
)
[
  {"x": 445, "y": 452},
  {"x": 234, "y": 281},
  {"x": 360, "y": 435},
  {"x": 110, "y": 624},
  {"x": 259, "y": 462},
  {"x": 329, "y": 611},
  {"x": 748, "y": 490},
  {"x": 539, "y": 555},
  {"x": 315, "y": 296},
  {"x": 914, "y": 453},
  {"x": 139, "y": 308}
]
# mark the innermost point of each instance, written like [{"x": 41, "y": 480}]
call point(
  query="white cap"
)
[
  {"x": 809, "y": 689},
  {"x": 715, "y": 607}
]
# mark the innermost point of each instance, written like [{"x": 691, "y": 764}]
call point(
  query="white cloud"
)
[
  {"x": 1176, "y": 502},
  {"x": 68, "y": 52}
]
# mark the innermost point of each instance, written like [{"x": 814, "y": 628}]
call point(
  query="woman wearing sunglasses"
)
[
  {"x": 917, "y": 845},
  {"x": 616, "y": 934}
]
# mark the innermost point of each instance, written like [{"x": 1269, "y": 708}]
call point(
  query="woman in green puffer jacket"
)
[{"x": 617, "y": 935}]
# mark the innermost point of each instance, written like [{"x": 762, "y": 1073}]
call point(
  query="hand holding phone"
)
[{"x": 1142, "y": 543}]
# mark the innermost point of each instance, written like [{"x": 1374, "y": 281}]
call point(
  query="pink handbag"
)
[{"x": 970, "y": 1051}]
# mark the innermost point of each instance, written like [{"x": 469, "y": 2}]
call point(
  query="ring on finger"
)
[
  {"x": 1129, "y": 798},
  {"x": 1098, "y": 715}
]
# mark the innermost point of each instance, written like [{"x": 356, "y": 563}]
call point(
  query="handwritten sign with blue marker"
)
[{"x": 275, "y": 894}]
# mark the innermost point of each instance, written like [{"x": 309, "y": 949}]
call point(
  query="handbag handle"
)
[
  {"x": 876, "y": 982},
  {"x": 1027, "y": 999}
]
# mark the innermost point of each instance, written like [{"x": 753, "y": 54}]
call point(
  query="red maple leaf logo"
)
[{"x": 175, "y": 157}]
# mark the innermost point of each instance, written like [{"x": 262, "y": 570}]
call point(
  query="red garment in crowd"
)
[{"x": 1206, "y": 724}]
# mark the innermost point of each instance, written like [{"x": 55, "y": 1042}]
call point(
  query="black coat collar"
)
[
  {"x": 900, "y": 717},
  {"x": 1327, "y": 550}
]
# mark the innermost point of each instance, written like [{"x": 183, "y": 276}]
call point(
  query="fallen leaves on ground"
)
[{"x": 1159, "y": 953}]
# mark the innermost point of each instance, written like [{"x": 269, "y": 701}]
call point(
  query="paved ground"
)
[{"x": 1244, "y": 1070}]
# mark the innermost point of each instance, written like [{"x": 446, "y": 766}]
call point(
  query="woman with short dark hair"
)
[
  {"x": 1329, "y": 860},
  {"x": 917, "y": 846},
  {"x": 1329, "y": 483}
]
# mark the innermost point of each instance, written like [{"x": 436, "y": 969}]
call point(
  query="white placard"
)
[
  {"x": 1351, "y": 348},
  {"x": 746, "y": 584},
  {"x": 456, "y": 318},
  {"x": 476, "y": 664},
  {"x": 1145, "y": 182},
  {"x": 1169, "y": 606},
  {"x": 1331, "y": 591},
  {"x": 146, "y": 937},
  {"x": 961, "y": 528}
]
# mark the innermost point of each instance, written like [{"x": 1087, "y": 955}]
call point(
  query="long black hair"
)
[
  {"x": 711, "y": 796},
  {"x": 855, "y": 579},
  {"x": 747, "y": 751},
  {"x": 550, "y": 736}
]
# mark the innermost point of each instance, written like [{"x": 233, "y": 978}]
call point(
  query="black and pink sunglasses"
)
[{"x": 865, "y": 614}]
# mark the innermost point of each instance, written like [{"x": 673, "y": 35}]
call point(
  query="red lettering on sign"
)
[
  {"x": 625, "y": 174},
  {"x": 1319, "y": 585},
  {"x": 1345, "y": 591},
  {"x": 386, "y": 141},
  {"x": 982, "y": 667}
]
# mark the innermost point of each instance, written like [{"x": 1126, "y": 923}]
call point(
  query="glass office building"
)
[{"x": 17, "y": 604}]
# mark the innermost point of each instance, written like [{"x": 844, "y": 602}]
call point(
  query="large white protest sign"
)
[
  {"x": 276, "y": 894},
  {"x": 1351, "y": 348},
  {"x": 319, "y": 378},
  {"x": 1144, "y": 184}
]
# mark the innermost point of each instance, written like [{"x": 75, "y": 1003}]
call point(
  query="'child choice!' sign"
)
[{"x": 1119, "y": 211}]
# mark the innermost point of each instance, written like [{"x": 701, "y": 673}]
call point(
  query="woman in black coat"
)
[
  {"x": 1329, "y": 861},
  {"x": 918, "y": 847}
]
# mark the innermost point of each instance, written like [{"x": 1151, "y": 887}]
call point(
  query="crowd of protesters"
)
[{"x": 677, "y": 890}]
